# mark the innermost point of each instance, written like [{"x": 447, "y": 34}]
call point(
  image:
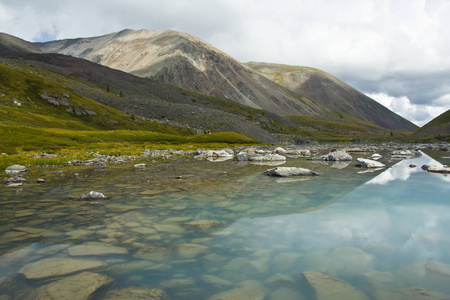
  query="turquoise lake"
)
[{"x": 225, "y": 230}]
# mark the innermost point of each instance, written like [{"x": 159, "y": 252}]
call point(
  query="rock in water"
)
[
  {"x": 80, "y": 286},
  {"x": 268, "y": 157},
  {"x": 368, "y": 163},
  {"x": 55, "y": 267},
  {"x": 438, "y": 169},
  {"x": 92, "y": 195},
  {"x": 137, "y": 293},
  {"x": 330, "y": 288},
  {"x": 339, "y": 156},
  {"x": 290, "y": 171}
]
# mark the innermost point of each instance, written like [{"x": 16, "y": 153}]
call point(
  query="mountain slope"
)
[
  {"x": 188, "y": 62},
  {"x": 333, "y": 93},
  {"x": 438, "y": 128}
]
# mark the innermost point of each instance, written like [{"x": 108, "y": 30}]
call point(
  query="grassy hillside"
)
[
  {"x": 436, "y": 129},
  {"x": 39, "y": 113}
]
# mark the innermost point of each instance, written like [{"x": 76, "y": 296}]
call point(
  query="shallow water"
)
[{"x": 377, "y": 231}]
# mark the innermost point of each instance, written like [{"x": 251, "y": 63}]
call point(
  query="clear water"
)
[{"x": 377, "y": 231}]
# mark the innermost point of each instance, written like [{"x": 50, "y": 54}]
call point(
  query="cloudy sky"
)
[{"x": 395, "y": 51}]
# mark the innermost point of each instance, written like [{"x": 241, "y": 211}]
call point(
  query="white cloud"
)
[
  {"x": 419, "y": 114},
  {"x": 378, "y": 45}
]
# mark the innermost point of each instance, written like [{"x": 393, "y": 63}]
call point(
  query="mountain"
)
[
  {"x": 137, "y": 97},
  {"x": 188, "y": 62},
  {"x": 9, "y": 43},
  {"x": 332, "y": 93},
  {"x": 438, "y": 128}
]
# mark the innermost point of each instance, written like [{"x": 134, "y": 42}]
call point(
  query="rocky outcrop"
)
[{"x": 290, "y": 171}]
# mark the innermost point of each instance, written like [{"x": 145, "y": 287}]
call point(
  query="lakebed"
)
[{"x": 198, "y": 229}]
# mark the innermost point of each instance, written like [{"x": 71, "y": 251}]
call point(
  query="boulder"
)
[
  {"x": 267, "y": 157},
  {"x": 338, "y": 156},
  {"x": 80, "y": 286},
  {"x": 137, "y": 293},
  {"x": 241, "y": 156},
  {"x": 140, "y": 166},
  {"x": 375, "y": 156},
  {"x": 54, "y": 267},
  {"x": 92, "y": 195},
  {"x": 15, "y": 169},
  {"x": 290, "y": 171},
  {"x": 280, "y": 150},
  {"x": 328, "y": 288},
  {"x": 368, "y": 163},
  {"x": 334, "y": 156},
  {"x": 411, "y": 293}
]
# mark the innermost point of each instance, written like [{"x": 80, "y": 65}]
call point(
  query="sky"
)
[{"x": 395, "y": 51}]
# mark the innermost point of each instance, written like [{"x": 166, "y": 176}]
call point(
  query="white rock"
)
[
  {"x": 268, "y": 157},
  {"x": 15, "y": 169},
  {"x": 290, "y": 171},
  {"x": 368, "y": 163}
]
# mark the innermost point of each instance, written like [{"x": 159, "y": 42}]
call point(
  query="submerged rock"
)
[
  {"x": 95, "y": 248},
  {"x": 203, "y": 224},
  {"x": 92, "y": 195},
  {"x": 55, "y": 267},
  {"x": 368, "y": 163},
  {"x": 286, "y": 294},
  {"x": 80, "y": 286},
  {"x": 411, "y": 293},
  {"x": 328, "y": 288},
  {"x": 137, "y": 293},
  {"x": 238, "y": 294},
  {"x": 290, "y": 171}
]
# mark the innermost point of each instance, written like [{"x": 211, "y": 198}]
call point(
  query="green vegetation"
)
[
  {"x": 37, "y": 113},
  {"x": 436, "y": 129}
]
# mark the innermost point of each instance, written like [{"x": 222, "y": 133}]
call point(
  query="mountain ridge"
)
[{"x": 188, "y": 62}]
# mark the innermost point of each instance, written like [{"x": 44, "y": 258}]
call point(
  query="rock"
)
[
  {"x": 177, "y": 283},
  {"x": 95, "y": 248},
  {"x": 15, "y": 184},
  {"x": 204, "y": 224},
  {"x": 54, "y": 267},
  {"x": 11, "y": 180},
  {"x": 286, "y": 294},
  {"x": 338, "y": 156},
  {"x": 268, "y": 157},
  {"x": 412, "y": 166},
  {"x": 334, "y": 156},
  {"x": 140, "y": 166},
  {"x": 216, "y": 282},
  {"x": 92, "y": 195},
  {"x": 169, "y": 228},
  {"x": 137, "y": 293},
  {"x": 207, "y": 154},
  {"x": 439, "y": 169},
  {"x": 411, "y": 293},
  {"x": 40, "y": 180},
  {"x": 280, "y": 150},
  {"x": 80, "y": 286},
  {"x": 239, "y": 294},
  {"x": 281, "y": 280},
  {"x": 242, "y": 156},
  {"x": 191, "y": 250},
  {"x": 375, "y": 156},
  {"x": 328, "y": 288},
  {"x": 15, "y": 169},
  {"x": 290, "y": 171},
  {"x": 368, "y": 163}
]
